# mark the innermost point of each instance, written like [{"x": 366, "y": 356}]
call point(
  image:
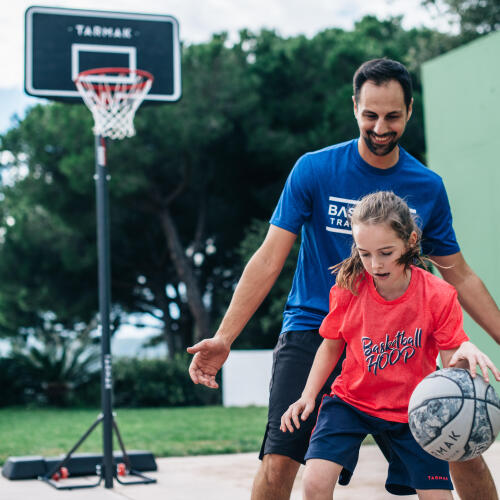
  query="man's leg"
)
[
  {"x": 472, "y": 480},
  {"x": 275, "y": 477}
]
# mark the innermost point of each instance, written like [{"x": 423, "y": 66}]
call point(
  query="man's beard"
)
[{"x": 380, "y": 149}]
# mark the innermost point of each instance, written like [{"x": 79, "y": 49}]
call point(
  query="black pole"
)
[{"x": 104, "y": 276}]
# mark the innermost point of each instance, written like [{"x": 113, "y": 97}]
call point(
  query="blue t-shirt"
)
[{"x": 321, "y": 191}]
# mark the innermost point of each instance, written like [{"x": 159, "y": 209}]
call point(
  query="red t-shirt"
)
[{"x": 391, "y": 345}]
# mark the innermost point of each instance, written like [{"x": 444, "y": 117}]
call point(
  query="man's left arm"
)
[{"x": 472, "y": 293}]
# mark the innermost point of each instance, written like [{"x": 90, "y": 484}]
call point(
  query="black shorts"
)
[{"x": 292, "y": 360}]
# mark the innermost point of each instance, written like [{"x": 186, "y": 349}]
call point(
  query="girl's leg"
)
[
  {"x": 320, "y": 477},
  {"x": 434, "y": 495}
]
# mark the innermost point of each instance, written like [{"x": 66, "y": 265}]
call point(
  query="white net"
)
[{"x": 114, "y": 95}]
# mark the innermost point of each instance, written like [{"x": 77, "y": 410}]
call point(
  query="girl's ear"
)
[{"x": 412, "y": 240}]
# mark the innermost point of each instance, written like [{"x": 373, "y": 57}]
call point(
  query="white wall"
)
[{"x": 245, "y": 378}]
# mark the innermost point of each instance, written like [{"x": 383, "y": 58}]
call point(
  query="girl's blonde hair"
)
[{"x": 382, "y": 207}]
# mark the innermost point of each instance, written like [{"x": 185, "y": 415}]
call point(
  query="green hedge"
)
[
  {"x": 17, "y": 387},
  {"x": 136, "y": 383},
  {"x": 144, "y": 382}
]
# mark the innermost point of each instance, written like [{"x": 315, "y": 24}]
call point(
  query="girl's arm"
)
[
  {"x": 325, "y": 360},
  {"x": 469, "y": 356}
]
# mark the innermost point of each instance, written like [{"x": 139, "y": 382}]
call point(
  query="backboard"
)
[{"x": 61, "y": 43}]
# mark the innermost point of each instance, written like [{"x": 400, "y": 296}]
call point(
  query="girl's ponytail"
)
[{"x": 350, "y": 272}]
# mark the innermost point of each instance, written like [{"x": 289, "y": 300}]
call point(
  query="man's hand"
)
[
  {"x": 209, "y": 356},
  {"x": 470, "y": 354}
]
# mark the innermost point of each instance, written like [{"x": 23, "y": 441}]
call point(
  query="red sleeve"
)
[
  {"x": 331, "y": 327},
  {"x": 449, "y": 332}
]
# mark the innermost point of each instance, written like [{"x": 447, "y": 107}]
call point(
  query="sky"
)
[{"x": 198, "y": 20}]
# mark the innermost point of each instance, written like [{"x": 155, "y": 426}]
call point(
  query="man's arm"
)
[
  {"x": 255, "y": 283},
  {"x": 472, "y": 293}
]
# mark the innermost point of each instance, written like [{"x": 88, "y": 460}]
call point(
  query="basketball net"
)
[{"x": 113, "y": 95}]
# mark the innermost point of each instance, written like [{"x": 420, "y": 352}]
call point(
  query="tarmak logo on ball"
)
[{"x": 447, "y": 445}]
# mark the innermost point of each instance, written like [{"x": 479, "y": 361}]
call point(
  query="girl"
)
[{"x": 393, "y": 318}]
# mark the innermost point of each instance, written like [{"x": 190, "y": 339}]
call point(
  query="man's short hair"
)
[{"x": 380, "y": 71}]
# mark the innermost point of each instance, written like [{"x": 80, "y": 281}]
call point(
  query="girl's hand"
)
[
  {"x": 304, "y": 406},
  {"x": 469, "y": 353}
]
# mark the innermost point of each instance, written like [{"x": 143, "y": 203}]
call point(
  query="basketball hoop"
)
[{"x": 114, "y": 95}]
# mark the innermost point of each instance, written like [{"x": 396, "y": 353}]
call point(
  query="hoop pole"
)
[{"x": 104, "y": 279}]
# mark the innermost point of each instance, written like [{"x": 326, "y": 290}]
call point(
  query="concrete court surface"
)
[{"x": 220, "y": 477}]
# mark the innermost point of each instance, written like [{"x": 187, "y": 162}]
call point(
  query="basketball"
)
[{"x": 453, "y": 416}]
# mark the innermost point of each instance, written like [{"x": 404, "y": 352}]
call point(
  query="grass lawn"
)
[{"x": 163, "y": 431}]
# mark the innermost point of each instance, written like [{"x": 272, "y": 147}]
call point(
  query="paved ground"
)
[{"x": 219, "y": 477}]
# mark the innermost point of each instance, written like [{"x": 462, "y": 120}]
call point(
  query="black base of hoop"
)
[
  {"x": 82, "y": 465},
  {"x": 79, "y": 464}
]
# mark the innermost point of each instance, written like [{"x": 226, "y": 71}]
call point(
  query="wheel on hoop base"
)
[
  {"x": 121, "y": 469},
  {"x": 62, "y": 473}
]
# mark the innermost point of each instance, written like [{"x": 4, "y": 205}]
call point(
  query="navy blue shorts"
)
[
  {"x": 292, "y": 360},
  {"x": 340, "y": 430}
]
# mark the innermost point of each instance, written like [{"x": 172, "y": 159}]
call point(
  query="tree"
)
[
  {"x": 45, "y": 250},
  {"x": 474, "y": 17},
  {"x": 185, "y": 190},
  {"x": 305, "y": 86},
  {"x": 175, "y": 184}
]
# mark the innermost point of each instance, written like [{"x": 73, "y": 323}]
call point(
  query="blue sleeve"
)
[
  {"x": 438, "y": 236},
  {"x": 295, "y": 204}
]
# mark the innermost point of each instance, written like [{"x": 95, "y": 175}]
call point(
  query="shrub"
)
[
  {"x": 53, "y": 372},
  {"x": 137, "y": 383},
  {"x": 146, "y": 382},
  {"x": 17, "y": 387}
]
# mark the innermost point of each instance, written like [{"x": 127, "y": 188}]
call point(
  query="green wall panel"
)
[{"x": 462, "y": 127}]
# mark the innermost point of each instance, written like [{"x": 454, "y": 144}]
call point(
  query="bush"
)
[
  {"x": 52, "y": 372},
  {"x": 16, "y": 385},
  {"x": 137, "y": 383},
  {"x": 22, "y": 384},
  {"x": 145, "y": 382}
]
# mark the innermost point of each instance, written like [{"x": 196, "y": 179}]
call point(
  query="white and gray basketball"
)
[{"x": 453, "y": 416}]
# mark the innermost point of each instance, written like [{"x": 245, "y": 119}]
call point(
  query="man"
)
[{"x": 317, "y": 199}]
